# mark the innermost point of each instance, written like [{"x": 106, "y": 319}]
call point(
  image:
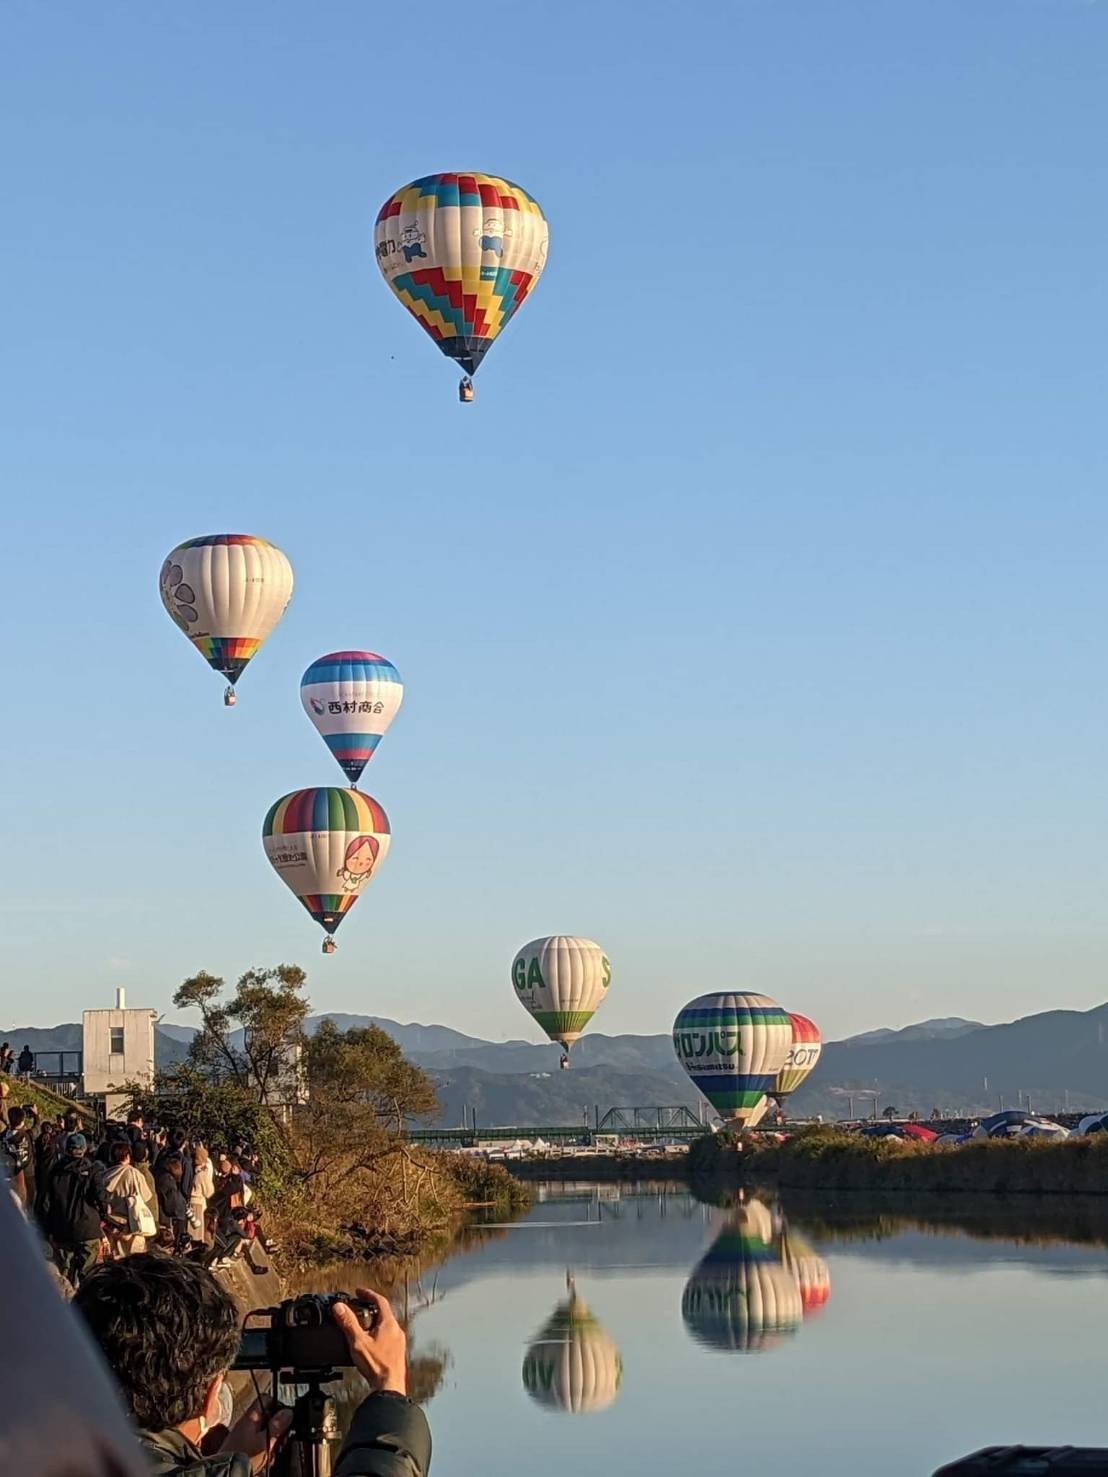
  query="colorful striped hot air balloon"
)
[
  {"x": 462, "y": 252},
  {"x": 226, "y": 591},
  {"x": 733, "y": 1046},
  {"x": 561, "y": 982},
  {"x": 572, "y": 1365},
  {"x": 325, "y": 844},
  {"x": 804, "y": 1053},
  {"x": 351, "y": 697}
]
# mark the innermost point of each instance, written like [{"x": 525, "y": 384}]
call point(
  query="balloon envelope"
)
[
  {"x": 804, "y": 1053},
  {"x": 561, "y": 981},
  {"x": 325, "y": 844},
  {"x": 461, "y": 252},
  {"x": 226, "y": 591},
  {"x": 351, "y": 697},
  {"x": 572, "y": 1365},
  {"x": 740, "y": 1295},
  {"x": 733, "y": 1045}
]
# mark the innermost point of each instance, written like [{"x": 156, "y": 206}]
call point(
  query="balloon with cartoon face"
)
[
  {"x": 325, "y": 844},
  {"x": 462, "y": 252},
  {"x": 351, "y": 697}
]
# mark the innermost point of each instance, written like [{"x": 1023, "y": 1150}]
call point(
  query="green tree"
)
[{"x": 248, "y": 1038}]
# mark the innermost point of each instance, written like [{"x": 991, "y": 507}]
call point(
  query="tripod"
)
[{"x": 309, "y": 1450}]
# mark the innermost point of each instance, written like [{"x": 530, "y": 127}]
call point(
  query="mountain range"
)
[{"x": 1054, "y": 1059}]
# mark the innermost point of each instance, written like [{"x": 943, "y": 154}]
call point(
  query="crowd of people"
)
[
  {"x": 138, "y": 1216},
  {"x": 126, "y": 1188}
]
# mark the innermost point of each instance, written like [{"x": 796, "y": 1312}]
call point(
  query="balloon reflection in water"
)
[
  {"x": 810, "y": 1269},
  {"x": 572, "y": 1365},
  {"x": 742, "y": 1294}
]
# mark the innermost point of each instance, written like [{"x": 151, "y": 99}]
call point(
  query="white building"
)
[{"x": 118, "y": 1048}]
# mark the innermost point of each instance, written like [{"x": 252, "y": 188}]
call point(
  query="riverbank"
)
[
  {"x": 401, "y": 1209},
  {"x": 829, "y": 1159}
]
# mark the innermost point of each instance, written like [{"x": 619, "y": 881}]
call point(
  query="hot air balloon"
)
[
  {"x": 562, "y": 982},
  {"x": 572, "y": 1365},
  {"x": 804, "y": 1053},
  {"x": 461, "y": 252},
  {"x": 740, "y": 1296},
  {"x": 326, "y": 844},
  {"x": 226, "y": 591},
  {"x": 733, "y": 1046},
  {"x": 351, "y": 697}
]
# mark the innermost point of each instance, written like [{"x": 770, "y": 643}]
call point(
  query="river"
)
[{"x": 637, "y": 1329}]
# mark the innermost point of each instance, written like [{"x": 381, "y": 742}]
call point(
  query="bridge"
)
[{"x": 668, "y": 1123}]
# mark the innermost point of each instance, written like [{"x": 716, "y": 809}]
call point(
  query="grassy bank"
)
[
  {"x": 829, "y": 1159},
  {"x": 48, "y": 1103},
  {"x": 404, "y": 1207}
]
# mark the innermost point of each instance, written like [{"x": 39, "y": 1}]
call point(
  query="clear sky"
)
[{"x": 752, "y": 619}]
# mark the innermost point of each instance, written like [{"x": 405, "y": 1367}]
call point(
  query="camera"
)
[{"x": 301, "y": 1335}]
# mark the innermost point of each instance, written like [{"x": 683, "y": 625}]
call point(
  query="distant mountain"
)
[
  {"x": 1042, "y": 1057},
  {"x": 944, "y": 1027},
  {"x": 553, "y": 1098},
  {"x": 957, "y": 1065}
]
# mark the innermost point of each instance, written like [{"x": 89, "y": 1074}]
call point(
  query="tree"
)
[
  {"x": 247, "y": 1039},
  {"x": 334, "y": 1152},
  {"x": 889, "y": 1113}
]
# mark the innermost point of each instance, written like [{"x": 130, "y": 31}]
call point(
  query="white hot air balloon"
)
[
  {"x": 572, "y": 1365},
  {"x": 561, "y": 982},
  {"x": 226, "y": 591}
]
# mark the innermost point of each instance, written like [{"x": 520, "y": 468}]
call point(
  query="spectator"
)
[
  {"x": 169, "y": 1333},
  {"x": 172, "y": 1206},
  {"x": 30, "y": 1169},
  {"x": 18, "y": 1146},
  {"x": 203, "y": 1188},
  {"x": 135, "y": 1127},
  {"x": 123, "y": 1186},
  {"x": 6, "y": 1055},
  {"x": 140, "y": 1158},
  {"x": 47, "y": 1146},
  {"x": 26, "y": 1062},
  {"x": 74, "y": 1204}
]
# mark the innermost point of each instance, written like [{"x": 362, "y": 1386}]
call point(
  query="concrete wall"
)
[{"x": 105, "y": 1069}]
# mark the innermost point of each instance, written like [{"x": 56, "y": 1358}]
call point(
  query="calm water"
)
[{"x": 693, "y": 1338}]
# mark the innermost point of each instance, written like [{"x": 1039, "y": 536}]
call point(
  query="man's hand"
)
[
  {"x": 381, "y": 1353},
  {"x": 258, "y": 1432}
]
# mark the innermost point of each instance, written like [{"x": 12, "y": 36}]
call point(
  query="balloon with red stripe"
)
[{"x": 803, "y": 1055}]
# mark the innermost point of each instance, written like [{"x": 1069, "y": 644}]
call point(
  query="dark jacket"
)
[
  {"x": 171, "y": 1455},
  {"x": 171, "y": 1203},
  {"x": 388, "y": 1437},
  {"x": 74, "y": 1201}
]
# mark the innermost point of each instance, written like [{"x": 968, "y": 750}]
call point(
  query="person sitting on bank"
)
[{"x": 169, "y": 1334}]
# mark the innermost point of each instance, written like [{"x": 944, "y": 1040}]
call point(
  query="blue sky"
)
[{"x": 752, "y": 620}]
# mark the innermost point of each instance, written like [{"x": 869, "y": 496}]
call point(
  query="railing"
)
[{"x": 677, "y": 1124}]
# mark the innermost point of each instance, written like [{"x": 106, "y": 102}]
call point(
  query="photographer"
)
[{"x": 170, "y": 1333}]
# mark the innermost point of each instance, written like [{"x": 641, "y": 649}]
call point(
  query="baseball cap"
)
[{"x": 76, "y": 1143}]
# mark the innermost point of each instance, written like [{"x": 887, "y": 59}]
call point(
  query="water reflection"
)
[
  {"x": 572, "y": 1365},
  {"x": 743, "y": 1295}
]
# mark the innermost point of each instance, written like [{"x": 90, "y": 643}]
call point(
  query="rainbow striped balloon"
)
[
  {"x": 351, "y": 697},
  {"x": 733, "y": 1046},
  {"x": 325, "y": 844}
]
